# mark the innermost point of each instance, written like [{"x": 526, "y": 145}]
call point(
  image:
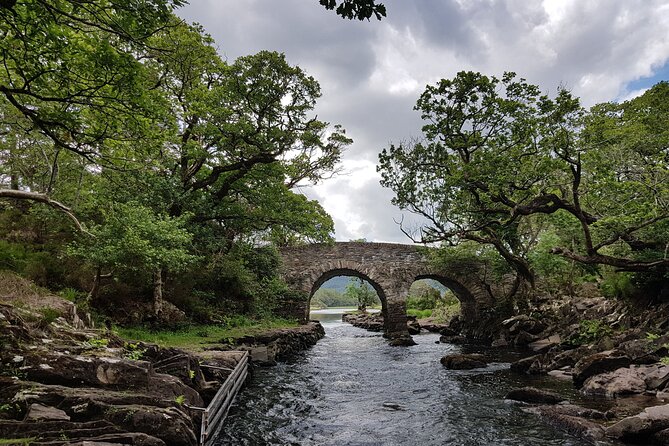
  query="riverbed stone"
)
[
  {"x": 533, "y": 395},
  {"x": 599, "y": 363},
  {"x": 543, "y": 345},
  {"x": 565, "y": 419},
  {"x": 622, "y": 381},
  {"x": 40, "y": 412},
  {"x": 461, "y": 361},
  {"x": 642, "y": 427},
  {"x": 529, "y": 366},
  {"x": 569, "y": 358}
]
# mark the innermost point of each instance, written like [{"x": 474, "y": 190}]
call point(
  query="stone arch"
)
[
  {"x": 467, "y": 300},
  {"x": 329, "y": 270},
  {"x": 391, "y": 269}
]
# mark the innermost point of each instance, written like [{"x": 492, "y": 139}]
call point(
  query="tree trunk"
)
[
  {"x": 93, "y": 293},
  {"x": 157, "y": 292}
]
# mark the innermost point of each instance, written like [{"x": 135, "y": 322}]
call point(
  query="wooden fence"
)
[{"x": 214, "y": 414}]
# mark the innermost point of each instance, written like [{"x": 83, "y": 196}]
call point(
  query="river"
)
[{"x": 354, "y": 389}]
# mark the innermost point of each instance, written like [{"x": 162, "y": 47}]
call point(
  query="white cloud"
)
[{"x": 372, "y": 72}]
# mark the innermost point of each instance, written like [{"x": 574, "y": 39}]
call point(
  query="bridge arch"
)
[
  {"x": 390, "y": 269},
  {"x": 351, "y": 269}
]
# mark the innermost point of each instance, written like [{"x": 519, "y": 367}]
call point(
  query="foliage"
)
[
  {"x": 133, "y": 351},
  {"x": 446, "y": 310},
  {"x": 48, "y": 316},
  {"x": 362, "y": 292},
  {"x": 133, "y": 238},
  {"x": 328, "y": 298},
  {"x": 422, "y": 297},
  {"x": 419, "y": 313},
  {"x": 181, "y": 165},
  {"x": 98, "y": 342},
  {"x": 356, "y": 9},
  {"x": 590, "y": 330},
  {"x": 617, "y": 285},
  {"x": 497, "y": 156},
  {"x": 180, "y": 399}
]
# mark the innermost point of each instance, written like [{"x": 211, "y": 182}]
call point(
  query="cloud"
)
[{"x": 371, "y": 73}]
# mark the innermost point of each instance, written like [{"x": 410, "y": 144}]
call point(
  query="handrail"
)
[{"x": 219, "y": 406}]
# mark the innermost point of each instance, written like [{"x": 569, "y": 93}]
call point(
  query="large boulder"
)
[
  {"x": 461, "y": 361},
  {"x": 643, "y": 427},
  {"x": 623, "y": 381},
  {"x": 533, "y": 395},
  {"x": 525, "y": 323},
  {"x": 564, "y": 418},
  {"x": 532, "y": 365},
  {"x": 599, "y": 363},
  {"x": 568, "y": 358}
]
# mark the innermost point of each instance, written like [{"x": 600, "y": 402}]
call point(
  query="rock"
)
[
  {"x": 543, "y": 345},
  {"x": 641, "y": 351},
  {"x": 393, "y": 406},
  {"x": 623, "y": 381},
  {"x": 501, "y": 341},
  {"x": 568, "y": 358},
  {"x": 402, "y": 341},
  {"x": 523, "y": 338},
  {"x": 413, "y": 327},
  {"x": 578, "y": 411},
  {"x": 534, "y": 396},
  {"x": 524, "y": 323},
  {"x": 171, "y": 425},
  {"x": 564, "y": 375},
  {"x": 461, "y": 361},
  {"x": 574, "y": 425},
  {"x": 599, "y": 363},
  {"x": 530, "y": 365},
  {"x": 662, "y": 437},
  {"x": 642, "y": 427},
  {"x": 457, "y": 339},
  {"x": 39, "y": 412},
  {"x": 447, "y": 331},
  {"x": 658, "y": 378}
]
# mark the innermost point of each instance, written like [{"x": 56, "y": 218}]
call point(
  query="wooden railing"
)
[{"x": 218, "y": 408}]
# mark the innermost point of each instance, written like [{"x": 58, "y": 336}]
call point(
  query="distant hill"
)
[{"x": 339, "y": 284}]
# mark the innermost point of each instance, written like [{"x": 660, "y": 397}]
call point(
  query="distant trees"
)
[
  {"x": 362, "y": 292},
  {"x": 501, "y": 164}
]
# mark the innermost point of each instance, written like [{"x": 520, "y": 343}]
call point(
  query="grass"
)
[
  {"x": 17, "y": 441},
  {"x": 196, "y": 337},
  {"x": 419, "y": 313}
]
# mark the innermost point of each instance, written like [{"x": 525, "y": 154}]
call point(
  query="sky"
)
[{"x": 371, "y": 73}]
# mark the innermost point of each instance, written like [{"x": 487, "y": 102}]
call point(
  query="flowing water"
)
[{"x": 354, "y": 389}]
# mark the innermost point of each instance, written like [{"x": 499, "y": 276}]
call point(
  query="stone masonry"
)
[{"x": 390, "y": 269}]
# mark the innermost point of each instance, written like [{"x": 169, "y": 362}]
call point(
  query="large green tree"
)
[{"x": 497, "y": 155}]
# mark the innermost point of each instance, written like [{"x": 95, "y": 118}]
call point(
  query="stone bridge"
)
[{"x": 390, "y": 269}]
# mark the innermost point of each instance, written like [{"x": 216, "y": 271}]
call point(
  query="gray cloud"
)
[{"x": 371, "y": 73}]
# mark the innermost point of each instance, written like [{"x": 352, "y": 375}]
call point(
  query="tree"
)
[
  {"x": 497, "y": 155},
  {"x": 245, "y": 137},
  {"x": 74, "y": 70},
  {"x": 361, "y": 292},
  {"x": 133, "y": 239},
  {"x": 356, "y": 9}
]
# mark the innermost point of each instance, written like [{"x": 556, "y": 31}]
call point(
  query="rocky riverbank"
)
[
  {"x": 276, "y": 345},
  {"x": 64, "y": 383}
]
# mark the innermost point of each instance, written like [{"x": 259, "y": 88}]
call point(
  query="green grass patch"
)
[
  {"x": 419, "y": 313},
  {"x": 196, "y": 337}
]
